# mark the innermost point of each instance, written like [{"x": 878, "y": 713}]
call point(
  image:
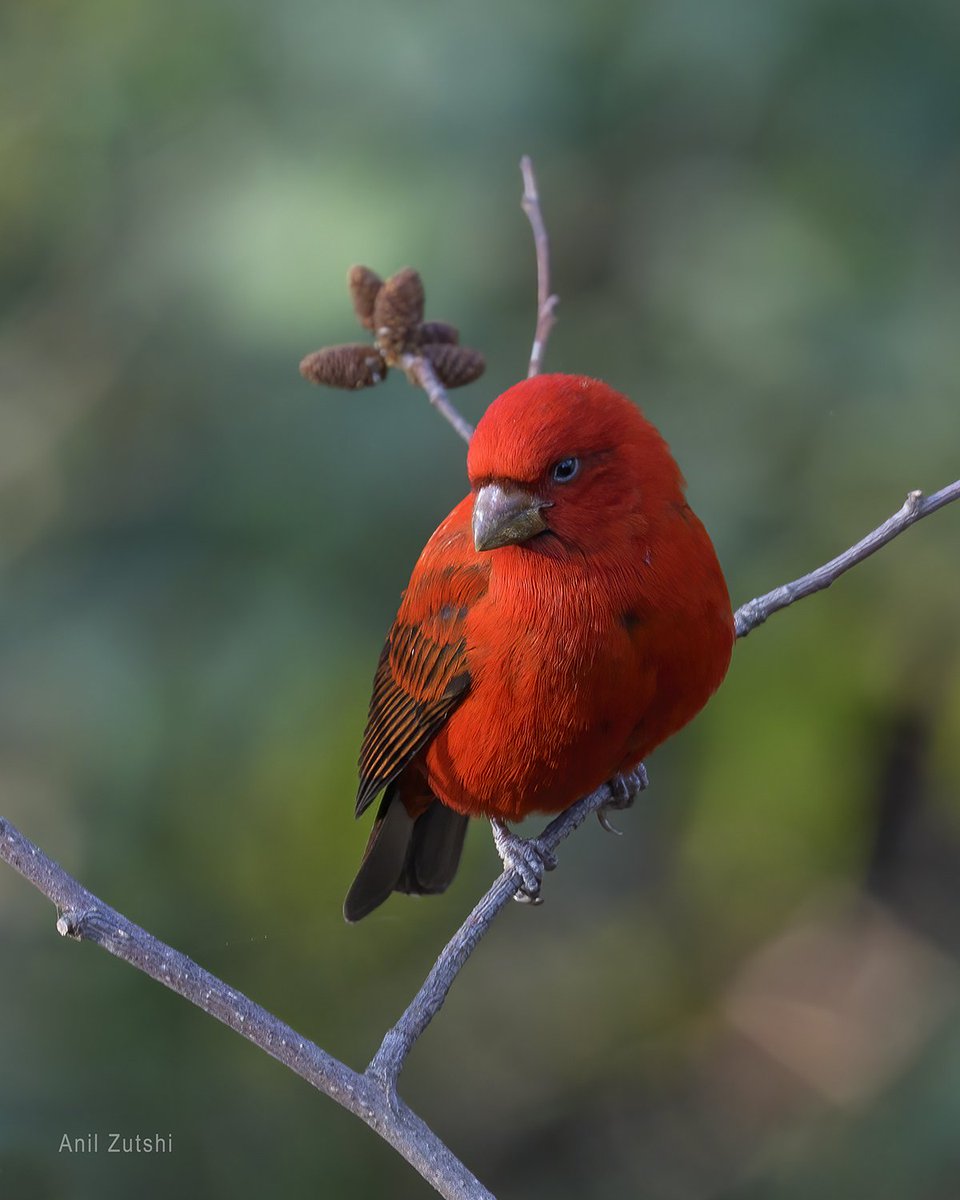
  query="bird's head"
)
[{"x": 566, "y": 461}]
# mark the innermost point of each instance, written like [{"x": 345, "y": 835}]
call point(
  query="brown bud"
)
[
  {"x": 398, "y": 310},
  {"x": 436, "y": 332},
  {"x": 364, "y": 285},
  {"x": 351, "y": 366},
  {"x": 454, "y": 365}
]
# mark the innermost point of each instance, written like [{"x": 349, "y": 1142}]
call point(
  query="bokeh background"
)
[{"x": 755, "y": 993}]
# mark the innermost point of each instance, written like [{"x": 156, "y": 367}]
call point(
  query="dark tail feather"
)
[
  {"x": 418, "y": 856},
  {"x": 435, "y": 850}
]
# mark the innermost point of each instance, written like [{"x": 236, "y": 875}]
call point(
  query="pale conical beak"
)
[{"x": 503, "y": 516}]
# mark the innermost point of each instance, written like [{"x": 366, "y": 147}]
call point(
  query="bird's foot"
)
[
  {"x": 529, "y": 857},
  {"x": 624, "y": 789}
]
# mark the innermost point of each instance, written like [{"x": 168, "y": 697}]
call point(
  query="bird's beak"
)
[{"x": 503, "y": 516}]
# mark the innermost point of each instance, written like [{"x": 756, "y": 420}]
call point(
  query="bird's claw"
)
[
  {"x": 529, "y": 857},
  {"x": 606, "y": 823},
  {"x": 624, "y": 789}
]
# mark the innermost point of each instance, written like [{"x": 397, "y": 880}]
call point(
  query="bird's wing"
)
[{"x": 423, "y": 672}]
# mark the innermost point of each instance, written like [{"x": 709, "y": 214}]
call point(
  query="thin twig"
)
[
  {"x": 387, "y": 1063},
  {"x": 85, "y": 917},
  {"x": 748, "y": 616},
  {"x": 546, "y": 301},
  {"x": 420, "y": 371}
]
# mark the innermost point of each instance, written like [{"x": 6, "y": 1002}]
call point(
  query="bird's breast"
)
[{"x": 558, "y": 682}]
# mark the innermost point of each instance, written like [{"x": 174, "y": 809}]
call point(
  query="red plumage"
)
[{"x": 593, "y": 623}]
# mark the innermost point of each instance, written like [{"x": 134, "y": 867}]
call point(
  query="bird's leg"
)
[
  {"x": 527, "y": 856},
  {"x": 624, "y": 790}
]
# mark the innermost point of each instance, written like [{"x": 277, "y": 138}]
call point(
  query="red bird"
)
[{"x": 567, "y": 617}]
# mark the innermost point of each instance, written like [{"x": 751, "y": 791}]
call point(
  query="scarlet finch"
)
[{"x": 567, "y": 617}]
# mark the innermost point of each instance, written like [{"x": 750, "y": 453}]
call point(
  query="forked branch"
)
[{"x": 85, "y": 917}]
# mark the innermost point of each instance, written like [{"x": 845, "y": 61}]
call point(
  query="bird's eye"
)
[{"x": 565, "y": 469}]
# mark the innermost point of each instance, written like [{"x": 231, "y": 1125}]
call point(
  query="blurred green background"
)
[{"x": 755, "y": 993}]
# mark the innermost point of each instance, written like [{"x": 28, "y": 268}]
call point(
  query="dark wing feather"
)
[
  {"x": 402, "y": 721},
  {"x": 423, "y": 673}
]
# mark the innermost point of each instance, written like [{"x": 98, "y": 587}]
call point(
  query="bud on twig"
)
[
  {"x": 428, "y": 352},
  {"x": 351, "y": 366},
  {"x": 455, "y": 365},
  {"x": 398, "y": 311},
  {"x": 364, "y": 286}
]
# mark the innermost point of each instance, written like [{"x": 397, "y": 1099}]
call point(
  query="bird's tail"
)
[{"x": 418, "y": 855}]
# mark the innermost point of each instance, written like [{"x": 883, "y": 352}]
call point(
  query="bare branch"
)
[
  {"x": 84, "y": 917},
  {"x": 748, "y": 616},
  {"x": 420, "y": 371},
  {"x": 546, "y": 302}
]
